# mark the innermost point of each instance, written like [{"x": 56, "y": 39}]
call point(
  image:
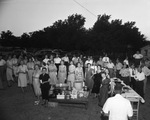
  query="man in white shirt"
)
[
  {"x": 137, "y": 57},
  {"x": 66, "y": 61},
  {"x": 146, "y": 71},
  {"x": 89, "y": 60},
  {"x": 126, "y": 61},
  {"x": 57, "y": 61},
  {"x": 140, "y": 77},
  {"x": 118, "y": 107},
  {"x": 105, "y": 60},
  {"x": 65, "y": 58},
  {"x": 132, "y": 70},
  {"x": 110, "y": 67},
  {"x": 75, "y": 59}
]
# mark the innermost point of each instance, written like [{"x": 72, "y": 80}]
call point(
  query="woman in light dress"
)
[
  {"x": 36, "y": 83},
  {"x": 52, "y": 73},
  {"x": 30, "y": 66},
  {"x": 22, "y": 75},
  {"x": 9, "y": 71},
  {"x": 79, "y": 72},
  {"x": 62, "y": 72},
  {"x": 71, "y": 73}
]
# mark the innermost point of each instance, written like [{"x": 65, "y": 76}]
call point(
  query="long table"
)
[
  {"x": 72, "y": 102},
  {"x": 134, "y": 98},
  {"x": 131, "y": 94}
]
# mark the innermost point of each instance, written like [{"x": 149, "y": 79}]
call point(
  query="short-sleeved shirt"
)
[
  {"x": 138, "y": 56},
  {"x": 118, "y": 108},
  {"x": 46, "y": 60},
  {"x": 57, "y": 60},
  {"x": 44, "y": 77},
  {"x": 140, "y": 76},
  {"x": 66, "y": 59},
  {"x": 88, "y": 62},
  {"x": 110, "y": 65},
  {"x": 105, "y": 59}
]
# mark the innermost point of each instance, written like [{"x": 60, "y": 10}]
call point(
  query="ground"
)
[{"x": 14, "y": 105}]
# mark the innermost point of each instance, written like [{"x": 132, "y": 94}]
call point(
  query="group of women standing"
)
[{"x": 96, "y": 75}]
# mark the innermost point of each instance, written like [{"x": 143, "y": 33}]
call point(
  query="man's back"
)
[{"x": 118, "y": 108}]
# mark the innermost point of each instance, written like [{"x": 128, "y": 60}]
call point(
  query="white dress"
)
[
  {"x": 22, "y": 77},
  {"x": 71, "y": 74},
  {"x": 53, "y": 74},
  {"x": 36, "y": 83}
]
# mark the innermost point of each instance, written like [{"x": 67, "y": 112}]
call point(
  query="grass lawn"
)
[{"x": 14, "y": 105}]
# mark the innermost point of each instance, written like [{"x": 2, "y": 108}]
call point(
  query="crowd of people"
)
[{"x": 53, "y": 70}]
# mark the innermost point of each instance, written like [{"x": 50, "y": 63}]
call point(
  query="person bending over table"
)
[{"x": 45, "y": 86}]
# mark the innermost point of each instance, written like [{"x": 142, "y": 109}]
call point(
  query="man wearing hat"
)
[{"x": 118, "y": 107}]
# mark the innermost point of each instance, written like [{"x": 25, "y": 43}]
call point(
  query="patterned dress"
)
[
  {"x": 125, "y": 74},
  {"x": 22, "y": 77},
  {"x": 53, "y": 74},
  {"x": 71, "y": 74},
  {"x": 36, "y": 83},
  {"x": 79, "y": 74},
  {"x": 62, "y": 74}
]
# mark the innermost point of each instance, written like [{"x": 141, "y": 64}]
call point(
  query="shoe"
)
[
  {"x": 142, "y": 101},
  {"x": 36, "y": 102}
]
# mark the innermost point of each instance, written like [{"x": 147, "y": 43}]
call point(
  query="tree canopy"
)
[{"x": 70, "y": 34}]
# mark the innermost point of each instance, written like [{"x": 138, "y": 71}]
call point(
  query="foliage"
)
[{"x": 111, "y": 36}]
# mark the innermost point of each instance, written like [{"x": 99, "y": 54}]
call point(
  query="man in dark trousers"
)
[{"x": 45, "y": 85}]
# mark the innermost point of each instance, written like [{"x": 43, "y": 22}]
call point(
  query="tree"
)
[
  {"x": 114, "y": 36},
  {"x": 111, "y": 36},
  {"x": 8, "y": 39}
]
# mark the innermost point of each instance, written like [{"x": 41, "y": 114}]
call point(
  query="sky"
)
[{"x": 20, "y": 16}]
